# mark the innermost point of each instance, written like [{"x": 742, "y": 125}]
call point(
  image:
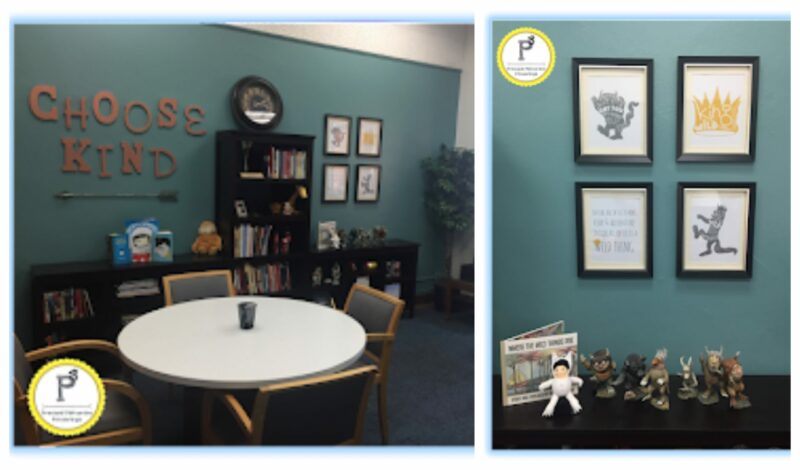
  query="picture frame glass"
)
[
  {"x": 715, "y": 228},
  {"x": 614, "y": 229},
  {"x": 613, "y": 109},
  {"x": 337, "y": 135},
  {"x": 335, "y": 183},
  {"x": 717, "y": 105},
  {"x": 368, "y": 184},
  {"x": 369, "y": 137}
]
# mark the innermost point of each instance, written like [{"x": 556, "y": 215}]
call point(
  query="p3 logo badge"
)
[
  {"x": 526, "y": 57},
  {"x": 66, "y": 397}
]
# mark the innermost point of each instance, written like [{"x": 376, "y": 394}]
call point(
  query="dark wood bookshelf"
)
[{"x": 390, "y": 250}]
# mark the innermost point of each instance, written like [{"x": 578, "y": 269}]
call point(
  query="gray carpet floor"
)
[{"x": 431, "y": 387}]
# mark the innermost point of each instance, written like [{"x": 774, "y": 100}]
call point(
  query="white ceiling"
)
[{"x": 443, "y": 45}]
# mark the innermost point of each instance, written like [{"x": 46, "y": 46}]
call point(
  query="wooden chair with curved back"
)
[
  {"x": 197, "y": 285},
  {"x": 126, "y": 418},
  {"x": 379, "y": 313},
  {"x": 325, "y": 410}
]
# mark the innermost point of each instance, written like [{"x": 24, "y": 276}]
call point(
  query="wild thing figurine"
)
[
  {"x": 688, "y": 389},
  {"x": 602, "y": 368}
]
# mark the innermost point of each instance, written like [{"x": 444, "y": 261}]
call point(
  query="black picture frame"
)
[
  {"x": 684, "y": 156},
  {"x": 358, "y": 181},
  {"x": 325, "y": 199},
  {"x": 327, "y": 150},
  {"x": 647, "y": 269},
  {"x": 359, "y": 151},
  {"x": 680, "y": 268},
  {"x": 581, "y": 155}
]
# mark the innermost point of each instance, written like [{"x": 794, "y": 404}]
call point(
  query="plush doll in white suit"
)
[{"x": 561, "y": 384}]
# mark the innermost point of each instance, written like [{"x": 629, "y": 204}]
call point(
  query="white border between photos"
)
[{"x": 164, "y": 11}]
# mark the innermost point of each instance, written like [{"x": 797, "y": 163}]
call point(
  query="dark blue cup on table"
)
[{"x": 247, "y": 315}]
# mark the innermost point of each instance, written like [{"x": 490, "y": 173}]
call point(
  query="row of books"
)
[
  {"x": 280, "y": 165},
  {"x": 265, "y": 279},
  {"x": 259, "y": 240},
  {"x": 67, "y": 304},
  {"x": 286, "y": 164}
]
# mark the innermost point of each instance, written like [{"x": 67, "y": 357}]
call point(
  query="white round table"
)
[{"x": 199, "y": 343}]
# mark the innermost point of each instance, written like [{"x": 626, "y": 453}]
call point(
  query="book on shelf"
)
[
  {"x": 251, "y": 175},
  {"x": 526, "y": 360},
  {"x": 267, "y": 278},
  {"x": 65, "y": 305}
]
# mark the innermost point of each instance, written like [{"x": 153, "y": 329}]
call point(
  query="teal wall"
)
[
  {"x": 199, "y": 64},
  {"x": 534, "y": 252}
]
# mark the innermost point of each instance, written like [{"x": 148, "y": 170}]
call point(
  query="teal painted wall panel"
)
[
  {"x": 199, "y": 65},
  {"x": 534, "y": 252}
]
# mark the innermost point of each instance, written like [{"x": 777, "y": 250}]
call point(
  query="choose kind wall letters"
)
[{"x": 106, "y": 111}]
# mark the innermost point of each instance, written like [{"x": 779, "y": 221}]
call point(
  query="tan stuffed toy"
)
[{"x": 208, "y": 242}]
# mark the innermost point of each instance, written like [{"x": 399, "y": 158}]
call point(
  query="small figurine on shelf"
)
[
  {"x": 632, "y": 373},
  {"x": 336, "y": 242},
  {"x": 689, "y": 383},
  {"x": 286, "y": 242},
  {"x": 602, "y": 368},
  {"x": 342, "y": 234},
  {"x": 734, "y": 386},
  {"x": 289, "y": 206},
  {"x": 359, "y": 238},
  {"x": 316, "y": 277},
  {"x": 561, "y": 384},
  {"x": 378, "y": 235},
  {"x": 712, "y": 376},
  {"x": 208, "y": 241},
  {"x": 655, "y": 383},
  {"x": 336, "y": 274}
]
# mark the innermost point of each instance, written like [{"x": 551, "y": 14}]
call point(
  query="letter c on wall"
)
[{"x": 33, "y": 102}]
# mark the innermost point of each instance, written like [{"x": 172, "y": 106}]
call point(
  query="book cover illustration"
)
[{"x": 526, "y": 359}]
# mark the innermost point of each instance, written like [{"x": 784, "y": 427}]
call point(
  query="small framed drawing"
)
[
  {"x": 715, "y": 229},
  {"x": 368, "y": 183},
  {"x": 370, "y": 136},
  {"x": 337, "y": 135},
  {"x": 613, "y": 110},
  {"x": 615, "y": 229},
  {"x": 335, "y": 182},
  {"x": 241, "y": 208},
  {"x": 717, "y": 109}
]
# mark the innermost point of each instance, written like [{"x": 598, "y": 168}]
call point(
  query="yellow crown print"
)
[{"x": 716, "y": 116}]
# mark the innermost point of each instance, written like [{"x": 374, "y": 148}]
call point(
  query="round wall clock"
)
[{"x": 256, "y": 103}]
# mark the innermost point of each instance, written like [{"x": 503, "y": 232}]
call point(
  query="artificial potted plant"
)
[{"x": 449, "y": 193}]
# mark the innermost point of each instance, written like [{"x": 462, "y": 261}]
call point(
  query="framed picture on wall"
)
[
  {"x": 612, "y": 110},
  {"x": 370, "y": 135},
  {"x": 368, "y": 183},
  {"x": 337, "y": 135},
  {"x": 615, "y": 229},
  {"x": 717, "y": 99},
  {"x": 334, "y": 182},
  {"x": 715, "y": 229}
]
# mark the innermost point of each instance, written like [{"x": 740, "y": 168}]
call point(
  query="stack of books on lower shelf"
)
[
  {"x": 268, "y": 278},
  {"x": 138, "y": 288},
  {"x": 67, "y": 304}
]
